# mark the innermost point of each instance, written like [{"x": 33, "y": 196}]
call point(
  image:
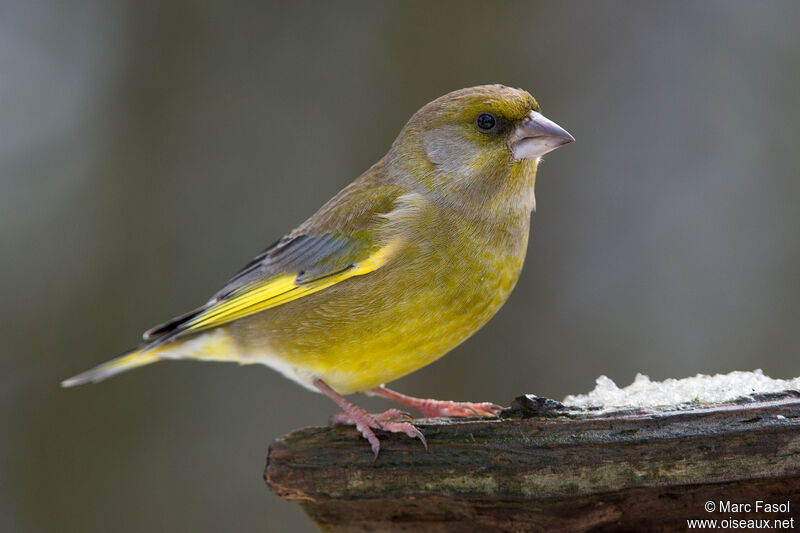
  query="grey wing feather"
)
[{"x": 309, "y": 256}]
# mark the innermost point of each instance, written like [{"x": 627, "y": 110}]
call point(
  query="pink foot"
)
[
  {"x": 435, "y": 408},
  {"x": 387, "y": 421},
  {"x": 345, "y": 419},
  {"x": 365, "y": 422}
]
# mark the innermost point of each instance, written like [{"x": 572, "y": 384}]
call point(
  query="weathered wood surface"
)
[{"x": 541, "y": 467}]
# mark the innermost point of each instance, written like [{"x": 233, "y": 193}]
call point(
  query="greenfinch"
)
[{"x": 396, "y": 270}]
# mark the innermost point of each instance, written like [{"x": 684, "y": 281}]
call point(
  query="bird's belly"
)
[{"x": 376, "y": 328}]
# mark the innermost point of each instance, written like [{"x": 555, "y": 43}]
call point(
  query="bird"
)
[{"x": 396, "y": 270}]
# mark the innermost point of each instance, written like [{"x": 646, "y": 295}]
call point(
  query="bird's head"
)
[{"x": 478, "y": 135}]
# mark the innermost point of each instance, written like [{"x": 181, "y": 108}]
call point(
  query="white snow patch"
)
[{"x": 642, "y": 392}]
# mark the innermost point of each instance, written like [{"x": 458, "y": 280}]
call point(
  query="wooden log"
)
[{"x": 543, "y": 467}]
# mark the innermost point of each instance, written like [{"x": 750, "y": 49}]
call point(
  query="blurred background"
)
[{"x": 149, "y": 149}]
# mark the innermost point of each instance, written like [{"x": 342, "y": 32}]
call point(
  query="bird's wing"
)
[{"x": 304, "y": 262}]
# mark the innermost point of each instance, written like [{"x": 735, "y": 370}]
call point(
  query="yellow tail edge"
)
[{"x": 137, "y": 358}]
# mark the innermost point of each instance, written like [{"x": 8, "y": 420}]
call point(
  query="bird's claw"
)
[
  {"x": 437, "y": 408},
  {"x": 386, "y": 421}
]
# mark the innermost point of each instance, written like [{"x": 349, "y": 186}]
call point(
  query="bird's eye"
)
[{"x": 485, "y": 121}]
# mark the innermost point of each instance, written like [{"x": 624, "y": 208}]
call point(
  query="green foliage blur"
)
[{"x": 149, "y": 149}]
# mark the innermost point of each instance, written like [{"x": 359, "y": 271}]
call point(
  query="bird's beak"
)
[{"x": 537, "y": 135}]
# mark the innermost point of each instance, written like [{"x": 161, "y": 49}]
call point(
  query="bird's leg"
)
[
  {"x": 434, "y": 408},
  {"x": 365, "y": 422}
]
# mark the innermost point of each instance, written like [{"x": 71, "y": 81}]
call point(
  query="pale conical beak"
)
[{"x": 537, "y": 135}]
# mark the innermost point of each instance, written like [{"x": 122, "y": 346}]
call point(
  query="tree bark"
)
[{"x": 543, "y": 467}]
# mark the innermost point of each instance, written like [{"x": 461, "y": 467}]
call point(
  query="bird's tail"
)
[
  {"x": 213, "y": 345},
  {"x": 136, "y": 358}
]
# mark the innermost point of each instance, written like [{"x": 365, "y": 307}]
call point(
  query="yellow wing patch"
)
[{"x": 286, "y": 288}]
